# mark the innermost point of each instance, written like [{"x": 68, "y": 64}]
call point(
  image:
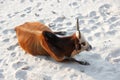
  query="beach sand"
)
[{"x": 99, "y": 22}]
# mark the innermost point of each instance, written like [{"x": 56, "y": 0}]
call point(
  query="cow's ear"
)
[{"x": 48, "y": 41}]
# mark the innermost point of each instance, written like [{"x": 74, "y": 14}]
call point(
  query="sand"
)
[{"x": 99, "y": 22}]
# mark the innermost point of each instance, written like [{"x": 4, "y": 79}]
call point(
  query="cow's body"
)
[
  {"x": 28, "y": 36},
  {"x": 37, "y": 39}
]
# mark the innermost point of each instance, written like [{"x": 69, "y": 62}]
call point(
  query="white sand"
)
[{"x": 99, "y": 21}]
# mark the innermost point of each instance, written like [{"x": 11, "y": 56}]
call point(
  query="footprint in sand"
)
[
  {"x": 1, "y": 60},
  {"x": 68, "y": 23},
  {"x": 59, "y": 19},
  {"x": 52, "y": 25},
  {"x": 81, "y": 22},
  {"x": 40, "y": 9},
  {"x": 21, "y": 75},
  {"x": 59, "y": 25},
  {"x": 90, "y": 38},
  {"x": 8, "y": 30},
  {"x": 22, "y": 1},
  {"x": 18, "y": 64},
  {"x": 12, "y": 30},
  {"x": 31, "y": 0},
  {"x": 1, "y": 75},
  {"x": 12, "y": 47},
  {"x": 73, "y": 76},
  {"x": 53, "y": 12},
  {"x": 86, "y": 30},
  {"x": 98, "y": 24},
  {"x": 92, "y": 14},
  {"x": 45, "y": 77},
  {"x": 42, "y": 21},
  {"x": 114, "y": 54},
  {"x": 104, "y": 10},
  {"x": 28, "y": 9},
  {"x": 115, "y": 25},
  {"x": 33, "y": 76},
  {"x": 80, "y": 16},
  {"x": 112, "y": 19},
  {"x": 3, "y": 21},
  {"x": 94, "y": 27},
  {"x": 96, "y": 17},
  {"x": 2, "y": 1},
  {"x": 38, "y": 4},
  {"x": 22, "y": 15},
  {"x": 5, "y": 31},
  {"x": 93, "y": 17},
  {"x": 112, "y": 32},
  {"x": 13, "y": 54},
  {"x": 14, "y": 36},
  {"x": 11, "y": 15},
  {"x": 6, "y": 40},
  {"x": 37, "y": 15},
  {"x": 74, "y": 3},
  {"x": 91, "y": 21},
  {"x": 97, "y": 34}
]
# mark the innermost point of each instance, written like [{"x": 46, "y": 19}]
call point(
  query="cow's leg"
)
[{"x": 74, "y": 60}]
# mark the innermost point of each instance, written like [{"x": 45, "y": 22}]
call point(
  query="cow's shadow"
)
[{"x": 98, "y": 68}]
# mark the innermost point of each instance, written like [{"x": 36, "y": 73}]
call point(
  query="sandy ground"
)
[{"x": 99, "y": 22}]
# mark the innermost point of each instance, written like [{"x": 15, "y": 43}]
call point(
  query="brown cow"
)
[{"x": 37, "y": 39}]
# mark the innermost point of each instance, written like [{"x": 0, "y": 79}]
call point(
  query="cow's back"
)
[{"x": 28, "y": 36}]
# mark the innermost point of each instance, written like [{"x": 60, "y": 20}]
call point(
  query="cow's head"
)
[{"x": 81, "y": 43}]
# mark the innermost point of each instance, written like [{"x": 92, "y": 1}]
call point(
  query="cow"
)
[{"x": 38, "y": 39}]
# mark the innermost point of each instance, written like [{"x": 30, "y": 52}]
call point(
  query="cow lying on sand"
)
[{"x": 37, "y": 39}]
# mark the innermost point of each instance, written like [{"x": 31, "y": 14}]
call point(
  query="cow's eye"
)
[{"x": 83, "y": 43}]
